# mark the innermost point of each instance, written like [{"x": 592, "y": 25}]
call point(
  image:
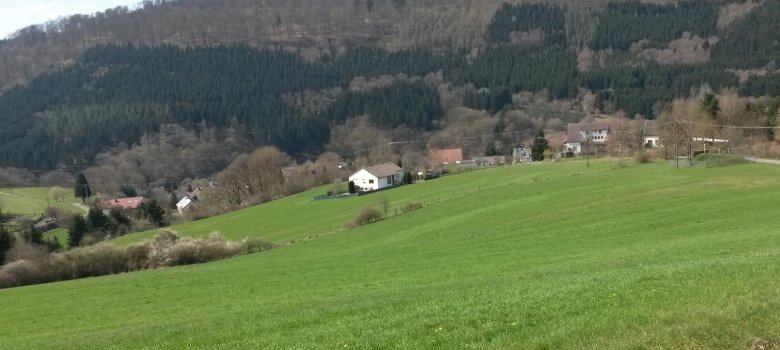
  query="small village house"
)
[
  {"x": 188, "y": 202},
  {"x": 521, "y": 155},
  {"x": 376, "y": 177},
  {"x": 651, "y": 134},
  {"x": 581, "y": 135}
]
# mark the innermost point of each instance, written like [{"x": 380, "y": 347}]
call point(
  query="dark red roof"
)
[
  {"x": 124, "y": 203},
  {"x": 446, "y": 156}
]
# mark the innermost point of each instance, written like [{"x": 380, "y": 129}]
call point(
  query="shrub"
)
[
  {"x": 137, "y": 256},
  {"x": 643, "y": 157},
  {"x": 215, "y": 247},
  {"x": 47, "y": 269},
  {"x": 33, "y": 265},
  {"x": 411, "y": 206},
  {"x": 254, "y": 245},
  {"x": 20, "y": 273},
  {"x": 185, "y": 251},
  {"x": 367, "y": 215},
  {"x": 97, "y": 260},
  {"x": 23, "y": 250}
]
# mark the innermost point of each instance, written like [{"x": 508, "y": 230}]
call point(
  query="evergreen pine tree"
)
[
  {"x": 82, "y": 189},
  {"x": 153, "y": 212},
  {"x": 539, "y": 145},
  {"x": 96, "y": 220},
  {"x": 6, "y": 242},
  {"x": 76, "y": 231}
]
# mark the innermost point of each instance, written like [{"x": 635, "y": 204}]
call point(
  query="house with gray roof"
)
[
  {"x": 376, "y": 177},
  {"x": 582, "y": 134}
]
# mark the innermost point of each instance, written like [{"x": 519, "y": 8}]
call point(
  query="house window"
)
[
  {"x": 371, "y": 181},
  {"x": 389, "y": 180}
]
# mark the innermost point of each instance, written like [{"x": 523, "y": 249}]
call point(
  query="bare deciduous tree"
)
[{"x": 384, "y": 202}]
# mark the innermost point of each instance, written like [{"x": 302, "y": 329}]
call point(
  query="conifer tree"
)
[
  {"x": 82, "y": 189},
  {"x": 76, "y": 231},
  {"x": 538, "y": 147},
  {"x": 6, "y": 242}
]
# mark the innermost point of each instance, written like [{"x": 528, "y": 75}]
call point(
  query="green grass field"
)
[
  {"x": 61, "y": 233},
  {"x": 641, "y": 257},
  {"x": 32, "y": 201}
]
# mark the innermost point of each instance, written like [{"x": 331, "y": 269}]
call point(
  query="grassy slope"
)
[
  {"x": 640, "y": 257},
  {"x": 32, "y": 201},
  {"x": 298, "y": 217},
  {"x": 61, "y": 233}
]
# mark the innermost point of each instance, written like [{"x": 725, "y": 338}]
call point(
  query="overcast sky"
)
[{"x": 17, "y": 14}]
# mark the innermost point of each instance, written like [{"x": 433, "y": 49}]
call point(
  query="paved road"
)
[{"x": 765, "y": 161}]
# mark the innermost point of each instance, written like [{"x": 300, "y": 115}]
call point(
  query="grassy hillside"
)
[
  {"x": 33, "y": 201},
  {"x": 564, "y": 257},
  {"x": 299, "y": 217}
]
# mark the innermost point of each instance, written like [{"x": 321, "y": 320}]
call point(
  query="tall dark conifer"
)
[
  {"x": 81, "y": 189},
  {"x": 539, "y": 146},
  {"x": 6, "y": 242},
  {"x": 76, "y": 231}
]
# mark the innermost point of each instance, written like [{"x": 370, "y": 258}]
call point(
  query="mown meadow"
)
[
  {"x": 33, "y": 201},
  {"x": 545, "y": 256}
]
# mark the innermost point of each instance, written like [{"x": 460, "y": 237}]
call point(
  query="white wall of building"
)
[
  {"x": 652, "y": 141},
  {"x": 597, "y": 136},
  {"x": 367, "y": 182},
  {"x": 574, "y": 147}
]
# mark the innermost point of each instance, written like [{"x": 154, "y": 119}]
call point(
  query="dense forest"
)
[{"x": 632, "y": 56}]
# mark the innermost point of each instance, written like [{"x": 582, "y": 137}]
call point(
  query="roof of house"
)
[
  {"x": 183, "y": 203},
  {"x": 651, "y": 128},
  {"x": 383, "y": 170},
  {"x": 453, "y": 155},
  {"x": 124, "y": 203},
  {"x": 575, "y": 132}
]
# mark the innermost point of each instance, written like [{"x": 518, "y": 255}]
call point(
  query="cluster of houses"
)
[
  {"x": 384, "y": 175},
  {"x": 381, "y": 176},
  {"x": 580, "y": 135},
  {"x": 187, "y": 203}
]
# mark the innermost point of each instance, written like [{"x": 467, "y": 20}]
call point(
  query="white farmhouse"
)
[
  {"x": 650, "y": 132},
  {"x": 184, "y": 204},
  {"x": 581, "y": 134},
  {"x": 376, "y": 177},
  {"x": 188, "y": 202}
]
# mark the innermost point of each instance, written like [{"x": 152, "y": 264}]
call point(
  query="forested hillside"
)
[
  {"x": 283, "y": 74},
  {"x": 388, "y": 24}
]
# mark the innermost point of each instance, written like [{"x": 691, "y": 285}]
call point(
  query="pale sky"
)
[{"x": 17, "y": 14}]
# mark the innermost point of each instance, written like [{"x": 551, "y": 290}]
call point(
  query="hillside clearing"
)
[
  {"x": 564, "y": 257},
  {"x": 33, "y": 201}
]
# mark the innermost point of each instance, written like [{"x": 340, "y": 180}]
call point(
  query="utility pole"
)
[{"x": 676, "y": 144}]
